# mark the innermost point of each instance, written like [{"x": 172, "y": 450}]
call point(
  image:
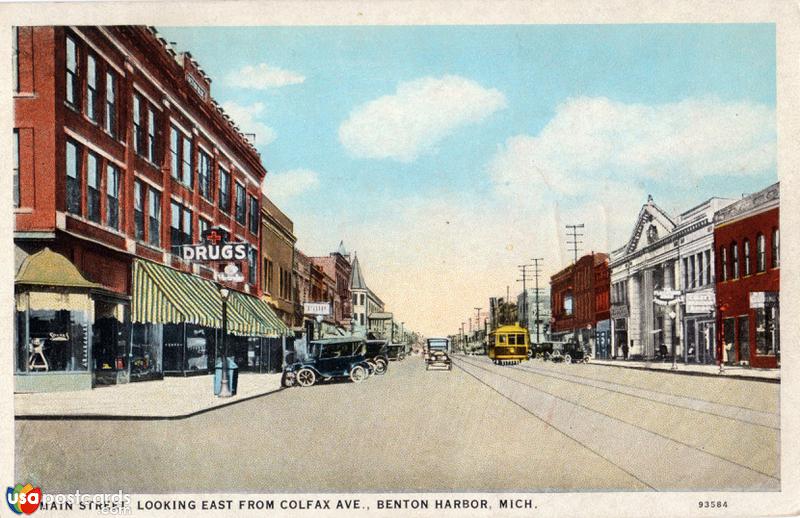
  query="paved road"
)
[{"x": 534, "y": 427}]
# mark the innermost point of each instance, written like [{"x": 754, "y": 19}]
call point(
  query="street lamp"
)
[{"x": 225, "y": 390}]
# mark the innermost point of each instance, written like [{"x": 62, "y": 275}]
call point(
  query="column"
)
[
  {"x": 668, "y": 283},
  {"x": 648, "y": 318},
  {"x": 635, "y": 316}
]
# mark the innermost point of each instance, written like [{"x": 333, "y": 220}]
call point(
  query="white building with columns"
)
[{"x": 662, "y": 285}]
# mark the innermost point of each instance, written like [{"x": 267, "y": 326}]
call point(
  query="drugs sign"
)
[{"x": 215, "y": 247}]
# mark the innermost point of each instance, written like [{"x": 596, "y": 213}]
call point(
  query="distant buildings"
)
[
  {"x": 277, "y": 259},
  {"x": 538, "y": 325},
  {"x": 365, "y": 302}
]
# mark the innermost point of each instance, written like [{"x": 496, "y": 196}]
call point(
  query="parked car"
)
[
  {"x": 378, "y": 355},
  {"x": 396, "y": 352},
  {"x": 567, "y": 352},
  {"x": 329, "y": 359}
]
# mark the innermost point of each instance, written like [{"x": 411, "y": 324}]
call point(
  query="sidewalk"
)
[
  {"x": 170, "y": 398},
  {"x": 748, "y": 373}
]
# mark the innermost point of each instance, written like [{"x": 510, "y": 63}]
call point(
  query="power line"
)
[
  {"x": 536, "y": 273},
  {"x": 524, "y": 269},
  {"x": 572, "y": 232}
]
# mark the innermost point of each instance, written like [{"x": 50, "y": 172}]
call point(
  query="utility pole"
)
[
  {"x": 477, "y": 322},
  {"x": 536, "y": 273},
  {"x": 574, "y": 234},
  {"x": 524, "y": 280},
  {"x": 508, "y": 308}
]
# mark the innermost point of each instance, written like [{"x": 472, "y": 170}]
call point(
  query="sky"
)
[{"x": 446, "y": 156}]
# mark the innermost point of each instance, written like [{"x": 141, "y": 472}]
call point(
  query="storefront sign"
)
[
  {"x": 231, "y": 274},
  {"x": 700, "y": 302},
  {"x": 760, "y": 299},
  {"x": 317, "y": 308},
  {"x": 619, "y": 311},
  {"x": 215, "y": 247},
  {"x": 667, "y": 294}
]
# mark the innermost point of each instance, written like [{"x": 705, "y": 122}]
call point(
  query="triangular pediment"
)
[{"x": 651, "y": 225}]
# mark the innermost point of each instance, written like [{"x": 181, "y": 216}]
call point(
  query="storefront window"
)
[
  {"x": 145, "y": 351},
  {"x": 729, "y": 337},
  {"x": 58, "y": 340},
  {"x": 766, "y": 331},
  {"x": 173, "y": 348},
  {"x": 109, "y": 339},
  {"x": 199, "y": 345},
  {"x": 744, "y": 338}
]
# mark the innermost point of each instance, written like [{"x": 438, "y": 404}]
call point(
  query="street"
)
[{"x": 532, "y": 427}]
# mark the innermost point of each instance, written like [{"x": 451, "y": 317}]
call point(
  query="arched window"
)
[
  {"x": 723, "y": 262},
  {"x": 734, "y": 260},
  {"x": 747, "y": 267},
  {"x": 776, "y": 248},
  {"x": 761, "y": 253}
]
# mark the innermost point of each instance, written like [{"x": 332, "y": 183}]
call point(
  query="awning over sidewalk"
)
[
  {"x": 49, "y": 269},
  {"x": 162, "y": 295}
]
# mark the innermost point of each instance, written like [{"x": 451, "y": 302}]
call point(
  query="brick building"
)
[
  {"x": 337, "y": 266},
  {"x": 277, "y": 258},
  {"x": 580, "y": 304},
  {"x": 747, "y": 241},
  {"x": 122, "y": 157}
]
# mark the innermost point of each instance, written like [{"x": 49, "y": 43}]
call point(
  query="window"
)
[
  {"x": 254, "y": 218},
  {"x": 154, "y": 218},
  {"x": 138, "y": 210},
  {"x": 746, "y": 250},
  {"x": 15, "y": 57},
  {"x": 112, "y": 196},
  {"x": 685, "y": 273},
  {"x": 202, "y": 226},
  {"x": 734, "y": 260},
  {"x": 568, "y": 303},
  {"x": 138, "y": 131},
  {"x": 186, "y": 164},
  {"x": 251, "y": 265},
  {"x": 241, "y": 215},
  {"x": 175, "y": 153},
  {"x": 93, "y": 187},
  {"x": 72, "y": 72},
  {"x": 91, "y": 87},
  {"x": 723, "y": 261},
  {"x": 362, "y": 299},
  {"x": 180, "y": 227},
  {"x": 111, "y": 104},
  {"x": 692, "y": 273},
  {"x": 56, "y": 340},
  {"x": 761, "y": 253},
  {"x": 776, "y": 248},
  {"x": 16, "y": 166},
  {"x": 224, "y": 190},
  {"x": 73, "y": 178},
  {"x": 701, "y": 281},
  {"x": 766, "y": 331},
  {"x": 708, "y": 266},
  {"x": 204, "y": 175},
  {"x": 151, "y": 136},
  {"x": 744, "y": 337}
]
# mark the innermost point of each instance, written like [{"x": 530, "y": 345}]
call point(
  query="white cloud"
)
[
  {"x": 283, "y": 186},
  {"x": 245, "y": 118},
  {"x": 263, "y": 77},
  {"x": 416, "y": 117},
  {"x": 600, "y": 139}
]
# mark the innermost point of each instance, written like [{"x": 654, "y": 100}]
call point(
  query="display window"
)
[
  {"x": 145, "y": 358},
  {"x": 57, "y": 340}
]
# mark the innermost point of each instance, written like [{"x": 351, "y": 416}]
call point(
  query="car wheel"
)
[
  {"x": 380, "y": 366},
  {"x": 358, "y": 374},
  {"x": 286, "y": 381},
  {"x": 567, "y": 359},
  {"x": 306, "y": 377}
]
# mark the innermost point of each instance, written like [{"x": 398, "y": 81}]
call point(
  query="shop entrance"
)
[{"x": 110, "y": 339}]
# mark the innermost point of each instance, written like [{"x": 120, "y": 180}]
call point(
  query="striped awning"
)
[{"x": 162, "y": 295}]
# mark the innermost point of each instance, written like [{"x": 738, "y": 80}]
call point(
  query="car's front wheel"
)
[
  {"x": 306, "y": 377},
  {"x": 287, "y": 381},
  {"x": 358, "y": 374},
  {"x": 568, "y": 359}
]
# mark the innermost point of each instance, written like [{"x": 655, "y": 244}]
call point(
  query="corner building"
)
[{"x": 121, "y": 156}]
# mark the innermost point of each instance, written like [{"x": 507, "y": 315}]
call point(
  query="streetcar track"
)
[
  {"x": 550, "y": 425},
  {"x": 664, "y": 437},
  {"x": 566, "y": 378},
  {"x": 672, "y": 394}
]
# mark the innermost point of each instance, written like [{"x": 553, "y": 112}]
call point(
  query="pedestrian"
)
[{"x": 625, "y": 350}]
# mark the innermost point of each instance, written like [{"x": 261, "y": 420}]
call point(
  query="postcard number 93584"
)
[{"x": 712, "y": 504}]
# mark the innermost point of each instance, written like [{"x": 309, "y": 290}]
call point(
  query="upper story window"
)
[
  {"x": 111, "y": 104},
  {"x": 723, "y": 262},
  {"x": 567, "y": 307},
  {"x": 73, "y": 83},
  {"x": 746, "y": 253},
  {"x": 224, "y": 190},
  {"x": 144, "y": 129},
  {"x": 15, "y": 57},
  {"x": 154, "y": 218},
  {"x": 180, "y": 148},
  {"x": 776, "y": 248},
  {"x": 241, "y": 214},
  {"x": 138, "y": 130},
  {"x": 708, "y": 266},
  {"x": 73, "y": 169},
  {"x": 15, "y": 150},
  {"x": 761, "y": 253},
  {"x": 254, "y": 216},
  {"x": 92, "y": 80},
  {"x": 202, "y": 226},
  {"x": 252, "y": 261},
  {"x": 734, "y": 260},
  {"x": 112, "y": 196},
  {"x": 93, "y": 187},
  {"x": 180, "y": 227},
  {"x": 138, "y": 210},
  {"x": 151, "y": 135},
  {"x": 204, "y": 175}
]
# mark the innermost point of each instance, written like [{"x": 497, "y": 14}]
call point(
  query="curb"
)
[
  {"x": 691, "y": 373},
  {"x": 102, "y": 417}
]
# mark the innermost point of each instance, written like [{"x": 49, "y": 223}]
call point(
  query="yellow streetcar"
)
[{"x": 509, "y": 344}]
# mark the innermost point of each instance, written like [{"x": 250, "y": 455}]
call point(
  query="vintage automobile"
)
[
  {"x": 378, "y": 355},
  {"x": 396, "y": 352},
  {"x": 438, "y": 359},
  {"x": 567, "y": 352},
  {"x": 330, "y": 359}
]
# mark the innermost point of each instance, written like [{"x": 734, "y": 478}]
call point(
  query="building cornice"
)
[{"x": 760, "y": 201}]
